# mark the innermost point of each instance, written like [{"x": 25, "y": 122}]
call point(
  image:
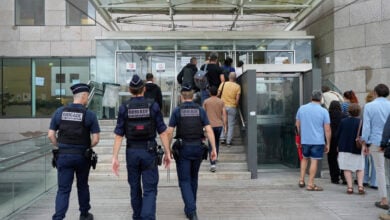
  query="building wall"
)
[
  {"x": 354, "y": 34},
  {"x": 52, "y": 39}
]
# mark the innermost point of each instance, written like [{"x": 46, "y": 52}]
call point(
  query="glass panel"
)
[
  {"x": 279, "y": 57},
  {"x": 46, "y": 99},
  {"x": 146, "y": 45},
  {"x": 303, "y": 51},
  {"x": 2, "y": 96},
  {"x": 162, "y": 65},
  {"x": 209, "y": 45},
  {"x": 105, "y": 61},
  {"x": 25, "y": 172},
  {"x": 277, "y": 103},
  {"x": 80, "y": 12},
  {"x": 71, "y": 67},
  {"x": 29, "y": 12},
  {"x": 17, "y": 87}
]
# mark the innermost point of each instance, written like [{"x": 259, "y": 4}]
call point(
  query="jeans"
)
[
  {"x": 67, "y": 166},
  {"x": 369, "y": 171},
  {"x": 379, "y": 162},
  {"x": 141, "y": 164},
  {"x": 231, "y": 117},
  {"x": 217, "y": 133}
]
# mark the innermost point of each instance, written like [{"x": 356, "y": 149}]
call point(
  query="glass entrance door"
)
[
  {"x": 278, "y": 99},
  {"x": 160, "y": 64}
]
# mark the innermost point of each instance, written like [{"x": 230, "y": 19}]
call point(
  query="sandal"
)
[
  {"x": 314, "y": 188},
  {"x": 361, "y": 190},
  {"x": 301, "y": 183},
  {"x": 350, "y": 190}
]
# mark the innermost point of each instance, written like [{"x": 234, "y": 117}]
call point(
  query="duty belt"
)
[{"x": 71, "y": 151}]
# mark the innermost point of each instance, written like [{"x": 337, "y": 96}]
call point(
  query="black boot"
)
[
  {"x": 192, "y": 216},
  {"x": 87, "y": 216}
]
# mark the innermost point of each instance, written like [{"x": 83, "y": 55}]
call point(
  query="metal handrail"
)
[{"x": 241, "y": 118}]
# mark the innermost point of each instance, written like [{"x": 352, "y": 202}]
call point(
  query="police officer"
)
[
  {"x": 74, "y": 124},
  {"x": 138, "y": 120},
  {"x": 190, "y": 119}
]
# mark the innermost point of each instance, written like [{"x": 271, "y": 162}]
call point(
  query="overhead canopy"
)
[{"x": 205, "y": 15}]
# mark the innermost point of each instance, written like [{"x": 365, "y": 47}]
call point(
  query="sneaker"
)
[
  {"x": 213, "y": 168},
  {"x": 228, "y": 144},
  {"x": 223, "y": 141}
]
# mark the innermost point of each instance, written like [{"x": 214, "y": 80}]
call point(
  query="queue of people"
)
[{"x": 355, "y": 140}]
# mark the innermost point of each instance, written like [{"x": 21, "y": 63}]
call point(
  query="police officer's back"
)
[
  {"x": 190, "y": 119},
  {"x": 138, "y": 120},
  {"x": 74, "y": 124}
]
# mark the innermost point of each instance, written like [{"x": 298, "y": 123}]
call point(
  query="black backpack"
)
[{"x": 188, "y": 77}]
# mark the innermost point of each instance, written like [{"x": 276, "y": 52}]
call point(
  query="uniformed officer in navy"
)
[
  {"x": 74, "y": 129},
  {"x": 190, "y": 119},
  {"x": 138, "y": 120}
]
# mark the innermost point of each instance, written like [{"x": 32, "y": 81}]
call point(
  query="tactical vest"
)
[
  {"x": 72, "y": 128},
  {"x": 140, "y": 124},
  {"x": 190, "y": 123}
]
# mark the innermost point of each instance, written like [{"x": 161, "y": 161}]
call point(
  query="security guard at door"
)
[
  {"x": 190, "y": 119},
  {"x": 74, "y": 124},
  {"x": 138, "y": 120}
]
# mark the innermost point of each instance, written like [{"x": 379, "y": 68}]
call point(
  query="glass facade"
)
[
  {"x": 118, "y": 60},
  {"x": 35, "y": 87},
  {"x": 29, "y": 12},
  {"x": 80, "y": 12}
]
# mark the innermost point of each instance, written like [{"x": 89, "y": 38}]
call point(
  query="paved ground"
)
[{"x": 274, "y": 195}]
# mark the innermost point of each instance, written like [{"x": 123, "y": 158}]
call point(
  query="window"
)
[
  {"x": 29, "y": 12},
  {"x": 80, "y": 12},
  {"x": 74, "y": 78},
  {"x": 60, "y": 78}
]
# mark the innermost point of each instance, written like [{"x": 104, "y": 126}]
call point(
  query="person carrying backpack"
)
[
  {"x": 186, "y": 75},
  {"x": 214, "y": 75}
]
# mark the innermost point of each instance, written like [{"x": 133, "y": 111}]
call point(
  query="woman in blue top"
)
[
  {"x": 350, "y": 157},
  {"x": 349, "y": 97}
]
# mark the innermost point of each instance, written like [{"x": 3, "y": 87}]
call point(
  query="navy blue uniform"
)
[
  {"x": 141, "y": 162},
  {"x": 190, "y": 158},
  {"x": 70, "y": 163}
]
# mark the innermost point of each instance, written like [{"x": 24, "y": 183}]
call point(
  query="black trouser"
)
[{"x": 335, "y": 173}]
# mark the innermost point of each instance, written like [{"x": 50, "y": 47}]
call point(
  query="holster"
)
[
  {"x": 91, "y": 156},
  {"x": 175, "y": 148},
  {"x": 160, "y": 153},
  {"x": 55, "y": 157}
]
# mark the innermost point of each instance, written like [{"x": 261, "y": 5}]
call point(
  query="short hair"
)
[
  {"x": 228, "y": 61},
  {"x": 192, "y": 60},
  {"x": 325, "y": 89},
  {"x": 213, "y": 56},
  {"x": 149, "y": 76},
  {"x": 232, "y": 75},
  {"x": 136, "y": 91},
  {"x": 316, "y": 95},
  {"x": 240, "y": 63},
  {"x": 381, "y": 90},
  {"x": 187, "y": 94},
  {"x": 354, "y": 109},
  {"x": 213, "y": 90}
]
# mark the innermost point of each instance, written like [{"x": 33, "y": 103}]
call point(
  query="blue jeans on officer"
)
[
  {"x": 187, "y": 167},
  {"x": 67, "y": 166},
  {"x": 141, "y": 165}
]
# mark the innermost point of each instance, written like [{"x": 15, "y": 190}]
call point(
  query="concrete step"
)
[
  {"x": 223, "y": 156},
  {"x": 163, "y": 176},
  {"x": 226, "y": 166}
]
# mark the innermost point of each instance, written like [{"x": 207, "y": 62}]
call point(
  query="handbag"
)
[
  {"x": 220, "y": 95},
  {"x": 358, "y": 140}
]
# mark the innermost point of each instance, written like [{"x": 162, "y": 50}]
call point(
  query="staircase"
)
[{"x": 232, "y": 160}]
